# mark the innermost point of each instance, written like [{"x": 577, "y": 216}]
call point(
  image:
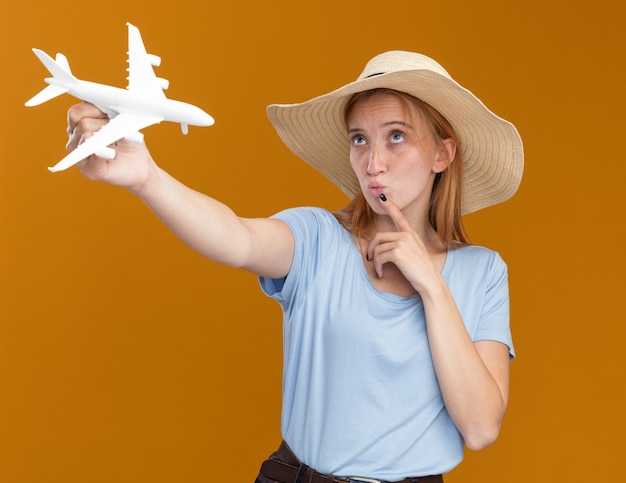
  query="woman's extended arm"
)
[{"x": 262, "y": 246}]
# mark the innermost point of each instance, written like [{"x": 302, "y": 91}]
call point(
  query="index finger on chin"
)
[{"x": 395, "y": 214}]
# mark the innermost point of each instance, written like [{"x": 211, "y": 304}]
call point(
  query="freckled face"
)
[{"x": 393, "y": 151}]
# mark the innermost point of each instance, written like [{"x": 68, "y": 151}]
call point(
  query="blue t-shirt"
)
[{"x": 360, "y": 394}]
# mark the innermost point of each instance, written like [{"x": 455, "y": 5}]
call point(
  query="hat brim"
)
[{"x": 492, "y": 148}]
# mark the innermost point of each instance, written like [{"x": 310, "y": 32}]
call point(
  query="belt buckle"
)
[{"x": 358, "y": 479}]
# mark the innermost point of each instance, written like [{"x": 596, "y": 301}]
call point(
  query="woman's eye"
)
[
  {"x": 397, "y": 137},
  {"x": 358, "y": 140}
]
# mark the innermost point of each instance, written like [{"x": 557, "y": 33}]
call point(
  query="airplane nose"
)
[
  {"x": 184, "y": 113},
  {"x": 203, "y": 118},
  {"x": 207, "y": 119}
]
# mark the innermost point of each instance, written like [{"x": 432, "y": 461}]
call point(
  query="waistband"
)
[{"x": 284, "y": 467}]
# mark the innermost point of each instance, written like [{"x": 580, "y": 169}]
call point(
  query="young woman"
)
[{"x": 396, "y": 329}]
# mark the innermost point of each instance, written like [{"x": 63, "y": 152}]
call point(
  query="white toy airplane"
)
[{"x": 141, "y": 104}]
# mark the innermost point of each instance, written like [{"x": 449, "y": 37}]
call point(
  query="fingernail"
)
[{"x": 383, "y": 197}]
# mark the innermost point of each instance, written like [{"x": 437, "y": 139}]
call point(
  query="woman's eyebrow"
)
[
  {"x": 387, "y": 124},
  {"x": 402, "y": 123}
]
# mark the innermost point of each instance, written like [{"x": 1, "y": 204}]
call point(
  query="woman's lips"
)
[{"x": 375, "y": 188}]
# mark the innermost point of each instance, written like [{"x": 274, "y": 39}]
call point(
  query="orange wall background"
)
[{"x": 126, "y": 357}]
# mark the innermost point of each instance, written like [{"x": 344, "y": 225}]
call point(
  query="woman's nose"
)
[{"x": 376, "y": 163}]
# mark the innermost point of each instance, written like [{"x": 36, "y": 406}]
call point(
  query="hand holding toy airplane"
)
[{"x": 141, "y": 104}]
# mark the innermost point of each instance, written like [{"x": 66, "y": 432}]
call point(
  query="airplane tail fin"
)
[{"x": 60, "y": 69}]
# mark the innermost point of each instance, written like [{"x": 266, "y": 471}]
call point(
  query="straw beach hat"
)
[{"x": 492, "y": 148}]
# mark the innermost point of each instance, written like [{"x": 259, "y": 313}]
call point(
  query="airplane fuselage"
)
[{"x": 121, "y": 101}]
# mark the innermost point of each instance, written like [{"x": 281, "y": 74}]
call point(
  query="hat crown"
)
[{"x": 399, "y": 60}]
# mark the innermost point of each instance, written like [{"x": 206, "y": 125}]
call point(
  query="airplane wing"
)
[
  {"x": 141, "y": 77},
  {"x": 122, "y": 125}
]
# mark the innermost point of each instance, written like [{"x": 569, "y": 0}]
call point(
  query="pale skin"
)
[{"x": 390, "y": 156}]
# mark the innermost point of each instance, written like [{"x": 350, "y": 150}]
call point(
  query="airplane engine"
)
[
  {"x": 135, "y": 137},
  {"x": 106, "y": 153},
  {"x": 155, "y": 60},
  {"x": 163, "y": 83}
]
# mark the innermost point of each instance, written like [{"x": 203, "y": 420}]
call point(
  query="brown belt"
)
[{"x": 284, "y": 466}]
